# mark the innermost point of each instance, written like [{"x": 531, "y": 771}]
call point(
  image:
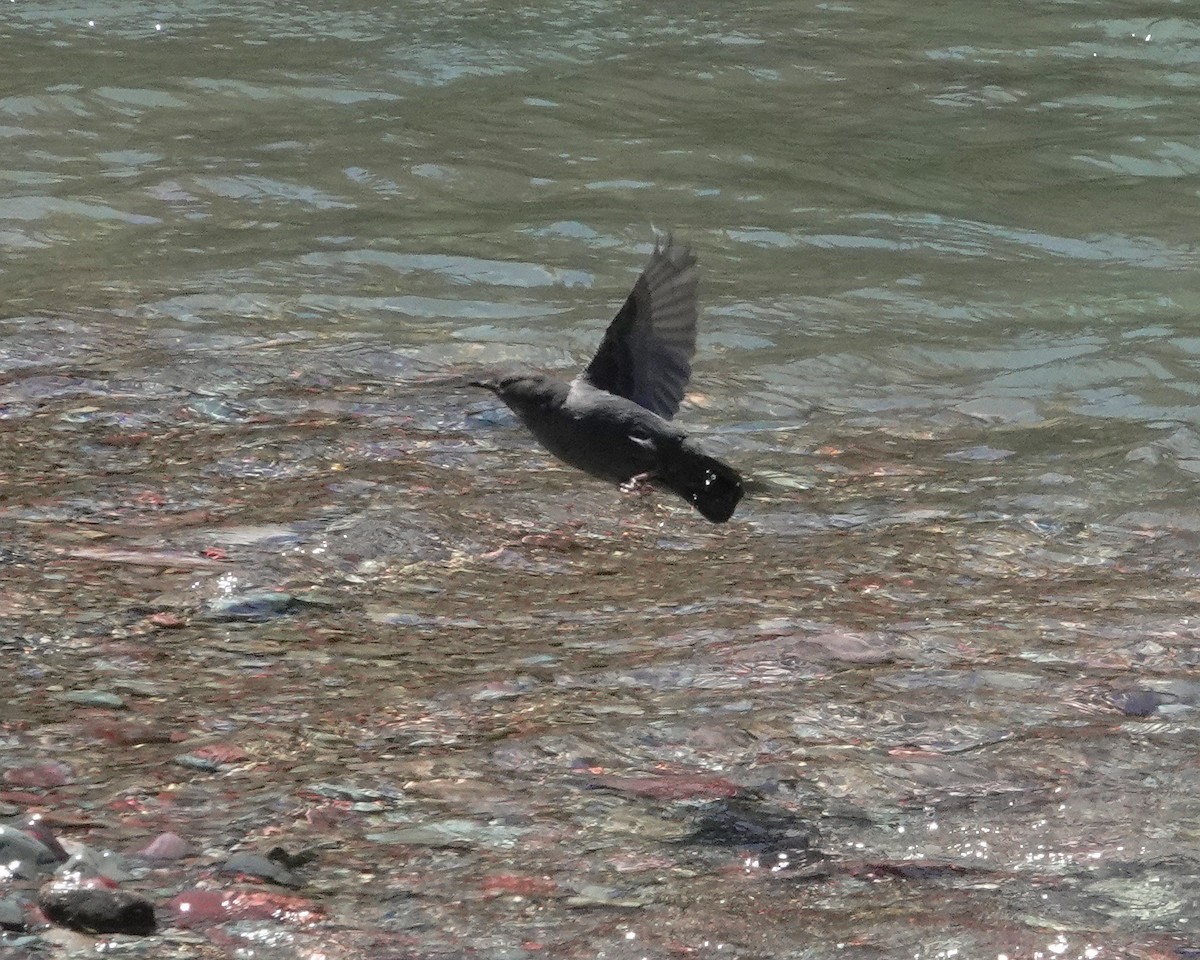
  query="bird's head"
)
[{"x": 520, "y": 390}]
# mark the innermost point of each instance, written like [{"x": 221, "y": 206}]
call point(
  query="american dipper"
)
[{"x": 613, "y": 420}]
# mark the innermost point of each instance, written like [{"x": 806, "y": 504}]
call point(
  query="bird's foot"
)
[{"x": 639, "y": 485}]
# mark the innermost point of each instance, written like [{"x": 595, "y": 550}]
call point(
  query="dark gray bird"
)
[{"x": 613, "y": 420}]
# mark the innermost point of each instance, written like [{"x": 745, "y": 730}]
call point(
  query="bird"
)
[{"x": 613, "y": 421}]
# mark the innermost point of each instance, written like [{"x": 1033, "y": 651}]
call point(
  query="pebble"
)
[
  {"x": 193, "y": 762},
  {"x": 94, "y": 698},
  {"x": 595, "y": 895},
  {"x": 1000, "y": 410},
  {"x": 349, "y": 791},
  {"x": 981, "y": 453},
  {"x": 216, "y": 409},
  {"x": 166, "y": 846},
  {"x": 453, "y": 834},
  {"x": 422, "y": 837}
]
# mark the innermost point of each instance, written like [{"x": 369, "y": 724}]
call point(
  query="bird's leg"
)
[{"x": 640, "y": 485}]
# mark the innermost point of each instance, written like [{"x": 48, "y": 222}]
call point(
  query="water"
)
[{"x": 932, "y": 691}]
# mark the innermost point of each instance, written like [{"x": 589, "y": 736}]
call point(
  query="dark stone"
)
[
  {"x": 291, "y": 860},
  {"x": 192, "y": 762},
  {"x": 1140, "y": 703},
  {"x": 265, "y": 868},
  {"x": 748, "y": 823},
  {"x": 98, "y": 910},
  {"x": 12, "y": 913},
  {"x": 254, "y": 606}
]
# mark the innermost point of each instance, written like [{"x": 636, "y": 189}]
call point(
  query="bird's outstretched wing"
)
[{"x": 646, "y": 354}]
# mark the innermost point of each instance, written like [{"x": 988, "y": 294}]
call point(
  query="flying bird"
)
[{"x": 613, "y": 421}]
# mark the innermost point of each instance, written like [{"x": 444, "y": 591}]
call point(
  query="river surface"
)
[{"x": 268, "y": 577}]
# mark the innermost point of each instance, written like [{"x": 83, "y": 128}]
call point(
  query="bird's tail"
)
[{"x": 712, "y": 487}]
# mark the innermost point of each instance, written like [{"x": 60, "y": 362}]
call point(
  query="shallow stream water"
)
[{"x": 269, "y": 578}]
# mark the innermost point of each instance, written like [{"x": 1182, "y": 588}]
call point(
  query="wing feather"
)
[{"x": 646, "y": 353}]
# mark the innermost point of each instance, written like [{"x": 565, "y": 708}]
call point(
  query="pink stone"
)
[
  {"x": 48, "y": 774},
  {"x": 166, "y": 846}
]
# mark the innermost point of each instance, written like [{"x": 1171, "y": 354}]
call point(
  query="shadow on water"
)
[{"x": 296, "y": 592}]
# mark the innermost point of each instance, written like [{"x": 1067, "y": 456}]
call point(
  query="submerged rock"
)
[
  {"x": 1140, "y": 703},
  {"x": 265, "y": 868},
  {"x": 50, "y": 773},
  {"x": 86, "y": 862},
  {"x": 23, "y": 856},
  {"x": 94, "y": 698},
  {"x": 35, "y": 826},
  {"x": 98, "y": 910},
  {"x": 12, "y": 913},
  {"x": 200, "y": 908},
  {"x": 254, "y": 605},
  {"x": 752, "y": 825},
  {"x": 193, "y": 762},
  {"x": 453, "y": 834}
]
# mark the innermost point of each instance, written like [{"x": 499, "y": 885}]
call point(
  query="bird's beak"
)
[{"x": 480, "y": 378}]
